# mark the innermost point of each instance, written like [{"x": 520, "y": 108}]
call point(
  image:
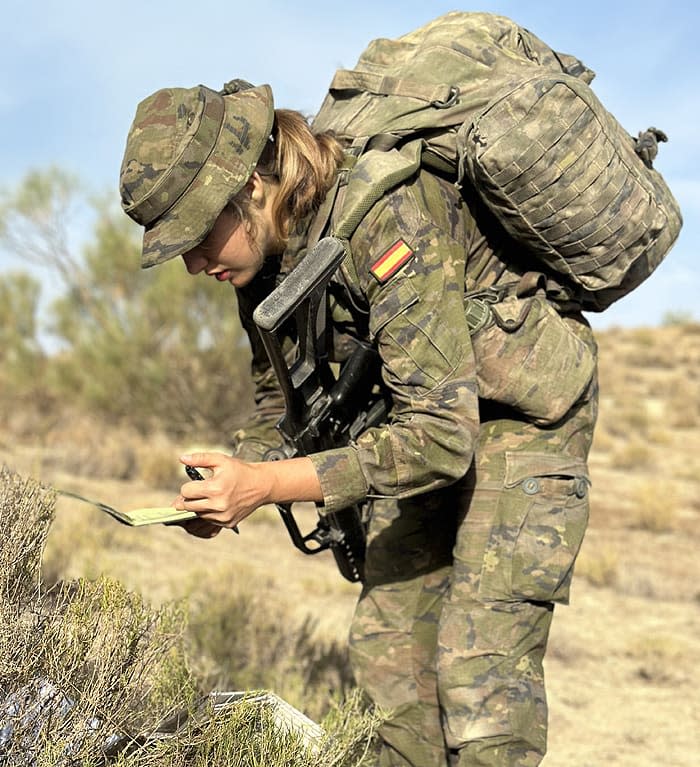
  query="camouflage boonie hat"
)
[{"x": 188, "y": 152}]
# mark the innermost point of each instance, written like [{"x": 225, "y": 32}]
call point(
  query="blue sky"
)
[{"x": 72, "y": 72}]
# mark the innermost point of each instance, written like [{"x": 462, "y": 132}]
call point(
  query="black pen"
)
[{"x": 195, "y": 475}]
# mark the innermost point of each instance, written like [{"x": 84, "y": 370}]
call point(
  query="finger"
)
[
  {"x": 205, "y": 460},
  {"x": 212, "y": 516},
  {"x": 205, "y": 516},
  {"x": 204, "y": 508},
  {"x": 194, "y": 491},
  {"x": 200, "y": 528}
]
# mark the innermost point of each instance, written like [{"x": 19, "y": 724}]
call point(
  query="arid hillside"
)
[{"x": 624, "y": 660}]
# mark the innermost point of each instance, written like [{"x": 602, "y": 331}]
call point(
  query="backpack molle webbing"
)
[{"x": 564, "y": 179}]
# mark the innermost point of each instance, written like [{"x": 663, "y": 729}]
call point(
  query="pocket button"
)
[
  {"x": 531, "y": 486},
  {"x": 580, "y": 488}
]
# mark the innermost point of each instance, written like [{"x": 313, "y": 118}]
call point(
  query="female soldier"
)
[{"x": 477, "y": 517}]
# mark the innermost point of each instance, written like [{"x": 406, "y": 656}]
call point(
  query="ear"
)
[{"x": 255, "y": 187}]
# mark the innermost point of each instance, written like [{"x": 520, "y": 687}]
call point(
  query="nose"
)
[{"x": 194, "y": 263}]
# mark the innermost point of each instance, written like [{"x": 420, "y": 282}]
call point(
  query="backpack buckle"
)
[{"x": 451, "y": 100}]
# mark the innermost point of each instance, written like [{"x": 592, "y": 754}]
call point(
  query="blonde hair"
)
[{"x": 304, "y": 165}]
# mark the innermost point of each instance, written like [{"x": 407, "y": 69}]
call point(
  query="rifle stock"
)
[{"x": 321, "y": 411}]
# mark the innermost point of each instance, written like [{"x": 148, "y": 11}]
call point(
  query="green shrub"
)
[{"x": 149, "y": 348}]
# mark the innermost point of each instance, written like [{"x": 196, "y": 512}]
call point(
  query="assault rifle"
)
[{"x": 322, "y": 410}]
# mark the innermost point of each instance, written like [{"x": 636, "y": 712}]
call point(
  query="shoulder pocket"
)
[
  {"x": 396, "y": 298},
  {"x": 419, "y": 348}
]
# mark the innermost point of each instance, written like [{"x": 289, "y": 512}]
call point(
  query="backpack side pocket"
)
[{"x": 529, "y": 359}]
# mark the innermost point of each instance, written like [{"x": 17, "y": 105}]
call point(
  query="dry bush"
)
[
  {"x": 632, "y": 455},
  {"x": 78, "y": 550},
  {"x": 26, "y": 512},
  {"x": 73, "y": 442},
  {"x": 27, "y": 416},
  {"x": 694, "y": 502},
  {"x": 683, "y": 402},
  {"x": 630, "y": 420},
  {"x": 247, "y": 735},
  {"x": 642, "y": 349},
  {"x": 88, "y": 665},
  {"x": 655, "y": 507},
  {"x": 79, "y": 663},
  {"x": 688, "y": 470},
  {"x": 249, "y": 638},
  {"x": 603, "y": 441},
  {"x": 87, "y": 668},
  {"x": 659, "y": 657},
  {"x": 79, "y": 444},
  {"x": 157, "y": 462},
  {"x": 600, "y": 567},
  {"x": 661, "y": 436}
]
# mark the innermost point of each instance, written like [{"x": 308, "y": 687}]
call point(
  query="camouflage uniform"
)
[
  {"x": 478, "y": 513},
  {"x": 480, "y": 505},
  {"x": 478, "y": 481}
]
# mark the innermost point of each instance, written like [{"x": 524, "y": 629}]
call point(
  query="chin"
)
[{"x": 241, "y": 280}]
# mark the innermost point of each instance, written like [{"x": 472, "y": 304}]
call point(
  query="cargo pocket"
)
[
  {"x": 528, "y": 358},
  {"x": 540, "y": 521}
]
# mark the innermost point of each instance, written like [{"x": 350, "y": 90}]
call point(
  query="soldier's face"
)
[
  {"x": 229, "y": 253},
  {"x": 234, "y": 250}
]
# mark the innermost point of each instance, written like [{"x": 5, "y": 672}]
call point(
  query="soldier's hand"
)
[
  {"x": 200, "y": 528},
  {"x": 233, "y": 490}
]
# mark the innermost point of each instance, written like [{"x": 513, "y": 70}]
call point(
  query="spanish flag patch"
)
[{"x": 391, "y": 261}]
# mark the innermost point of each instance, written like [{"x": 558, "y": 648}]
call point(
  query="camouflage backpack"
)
[{"x": 478, "y": 97}]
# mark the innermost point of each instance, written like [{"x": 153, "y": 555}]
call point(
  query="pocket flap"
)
[{"x": 521, "y": 465}]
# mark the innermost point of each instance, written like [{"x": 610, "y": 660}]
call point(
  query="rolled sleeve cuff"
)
[{"x": 342, "y": 482}]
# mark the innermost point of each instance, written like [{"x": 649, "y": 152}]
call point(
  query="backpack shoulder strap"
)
[{"x": 374, "y": 174}]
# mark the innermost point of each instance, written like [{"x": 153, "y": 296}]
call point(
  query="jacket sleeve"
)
[{"x": 416, "y": 318}]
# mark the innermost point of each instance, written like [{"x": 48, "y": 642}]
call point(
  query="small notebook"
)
[{"x": 137, "y": 517}]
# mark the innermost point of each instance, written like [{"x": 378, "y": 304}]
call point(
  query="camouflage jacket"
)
[{"x": 406, "y": 281}]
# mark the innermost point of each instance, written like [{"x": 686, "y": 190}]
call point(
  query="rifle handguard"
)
[
  {"x": 302, "y": 295},
  {"x": 316, "y": 404},
  {"x": 310, "y": 276}
]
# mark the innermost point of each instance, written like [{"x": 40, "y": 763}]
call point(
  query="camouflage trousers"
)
[{"x": 451, "y": 627}]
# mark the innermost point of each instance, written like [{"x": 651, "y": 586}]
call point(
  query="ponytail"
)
[{"x": 305, "y": 165}]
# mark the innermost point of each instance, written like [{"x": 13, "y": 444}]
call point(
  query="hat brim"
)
[{"x": 245, "y": 129}]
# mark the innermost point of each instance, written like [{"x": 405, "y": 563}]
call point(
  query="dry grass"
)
[
  {"x": 88, "y": 667},
  {"x": 656, "y": 507},
  {"x": 600, "y": 567},
  {"x": 632, "y": 455}
]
